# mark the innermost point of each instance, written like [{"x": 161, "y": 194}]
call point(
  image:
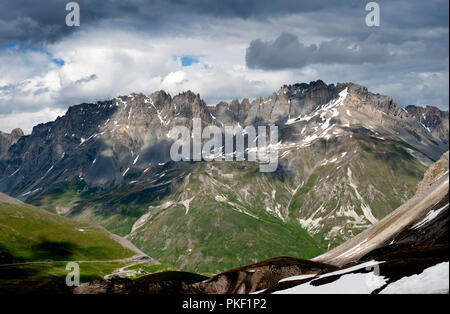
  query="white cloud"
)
[
  {"x": 121, "y": 62},
  {"x": 26, "y": 120},
  {"x": 413, "y": 88}
]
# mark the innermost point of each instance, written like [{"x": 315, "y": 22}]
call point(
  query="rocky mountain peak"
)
[
  {"x": 17, "y": 133},
  {"x": 160, "y": 97},
  {"x": 432, "y": 119},
  {"x": 9, "y": 139},
  {"x": 364, "y": 98},
  {"x": 302, "y": 88},
  {"x": 353, "y": 87},
  {"x": 189, "y": 97}
]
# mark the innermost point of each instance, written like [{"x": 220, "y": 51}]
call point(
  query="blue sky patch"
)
[
  {"x": 59, "y": 62},
  {"x": 188, "y": 60}
]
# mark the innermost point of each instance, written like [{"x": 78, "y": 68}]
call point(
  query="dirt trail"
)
[{"x": 136, "y": 258}]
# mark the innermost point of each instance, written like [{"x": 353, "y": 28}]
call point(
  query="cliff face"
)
[{"x": 431, "y": 118}]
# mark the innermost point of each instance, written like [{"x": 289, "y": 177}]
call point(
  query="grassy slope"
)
[
  {"x": 28, "y": 233},
  {"x": 226, "y": 239}
]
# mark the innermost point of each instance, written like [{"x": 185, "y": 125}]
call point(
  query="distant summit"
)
[{"x": 7, "y": 140}]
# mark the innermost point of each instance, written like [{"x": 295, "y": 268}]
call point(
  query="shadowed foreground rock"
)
[{"x": 241, "y": 280}]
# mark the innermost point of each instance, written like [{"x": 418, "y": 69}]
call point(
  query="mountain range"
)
[{"x": 347, "y": 159}]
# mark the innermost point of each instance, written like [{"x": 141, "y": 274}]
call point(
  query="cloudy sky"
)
[{"x": 220, "y": 49}]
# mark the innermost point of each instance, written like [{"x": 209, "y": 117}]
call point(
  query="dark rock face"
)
[
  {"x": 7, "y": 140},
  {"x": 172, "y": 282},
  {"x": 242, "y": 280},
  {"x": 290, "y": 100},
  {"x": 384, "y": 103},
  {"x": 98, "y": 142}
]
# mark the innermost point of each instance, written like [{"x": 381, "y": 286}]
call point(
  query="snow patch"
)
[
  {"x": 429, "y": 217},
  {"x": 186, "y": 204},
  {"x": 135, "y": 160},
  {"x": 321, "y": 111},
  {"x": 348, "y": 283}
]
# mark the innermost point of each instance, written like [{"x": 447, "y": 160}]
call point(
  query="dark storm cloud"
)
[
  {"x": 44, "y": 21},
  {"x": 288, "y": 52},
  {"x": 86, "y": 79}
]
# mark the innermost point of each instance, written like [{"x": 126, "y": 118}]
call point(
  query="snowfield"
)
[
  {"x": 432, "y": 280},
  {"x": 348, "y": 283}
]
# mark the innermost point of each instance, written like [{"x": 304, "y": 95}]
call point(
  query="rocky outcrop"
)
[
  {"x": 436, "y": 170},
  {"x": 407, "y": 252},
  {"x": 172, "y": 282},
  {"x": 7, "y": 140}
]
